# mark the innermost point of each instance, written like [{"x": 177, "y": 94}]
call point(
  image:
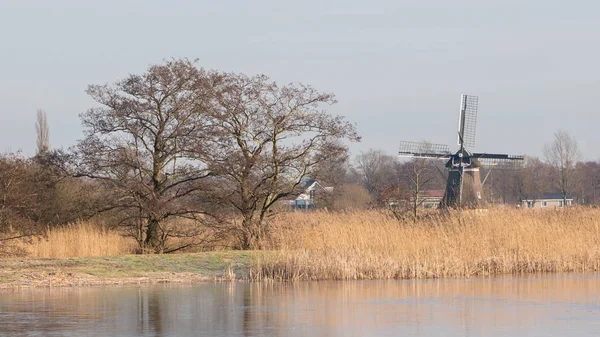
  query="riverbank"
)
[
  {"x": 374, "y": 245},
  {"x": 122, "y": 270},
  {"x": 360, "y": 245}
]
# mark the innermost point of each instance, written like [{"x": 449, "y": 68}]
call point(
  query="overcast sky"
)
[{"x": 397, "y": 67}]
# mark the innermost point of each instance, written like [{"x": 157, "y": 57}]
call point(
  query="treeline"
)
[
  {"x": 181, "y": 156},
  {"x": 178, "y": 152},
  {"x": 560, "y": 171}
]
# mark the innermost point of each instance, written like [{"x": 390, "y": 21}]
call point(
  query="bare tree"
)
[
  {"x": 43, "y": 132},
  {"x": 589, "y": 172},
  {"x": 421, "y": 176},
  {"x": 562, "y": 154},
  {"x": 527, "y": 181},
  {"x": 19, "y": 200},
  {"x": 142, "y": 144},
  {"x": 376, "y": 171},
  {"x": 501, "y": 185},
  {"x": 352, "y": 196},
  {"x": 332, "y": 172},
  {"x": 519, "y": 182},
  {"x": 333, "y": 169},
  {"x": 34, "y": 197},
  {"x": 270, "y": 138}
]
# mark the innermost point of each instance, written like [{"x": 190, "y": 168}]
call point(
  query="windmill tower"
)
[{"x": 464, "y": 186}]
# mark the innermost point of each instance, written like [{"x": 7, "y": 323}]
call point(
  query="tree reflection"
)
[{"x": 149, "y": 312}]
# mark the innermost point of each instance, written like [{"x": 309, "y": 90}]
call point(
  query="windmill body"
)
[{"x": 463, "y": 187}]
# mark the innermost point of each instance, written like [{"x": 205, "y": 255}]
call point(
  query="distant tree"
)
[
  {"x": 270, "y": 139},
  {"x": 528, "y": 182},
  {"x": 518, "y": 182},
  {"x": 589, "y": 175},
  {"x": 422, "y": 175},
  {"x": 34, "y": 196},
  {"x": 19, "y": 202},
  {"x": 500, "y": 183},
  {"x": 562, "y": 154},
  {"x": 352, "y": 196},
  {"x": 333, "y": 169},
  {"x": 43, "y": 132},
  {"x": 376, "y": 171},
  {"x": 332, "y": 172},
  {"x": 142, "y": 145}
]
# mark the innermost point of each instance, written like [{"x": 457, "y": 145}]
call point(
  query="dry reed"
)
[
  {"x": 373, "y": 245},
  {"x": 80, "y": 239}
]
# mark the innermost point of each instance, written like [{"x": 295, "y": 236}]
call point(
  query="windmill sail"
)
[
  {"x": 424, "y": 150},
  {"x": 467, "y": 120},
  {"x": 499, "y": 160}
]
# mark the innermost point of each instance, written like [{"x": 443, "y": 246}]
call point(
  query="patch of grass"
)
[
  {"x": 202, "y": 265},
  {"x": 7, "y": 278}
]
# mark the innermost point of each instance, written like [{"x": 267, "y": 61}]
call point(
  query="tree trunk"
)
[
  {"x": 252, "y": 237},
  {"x": 153, "y": 242},
  {"x": 245, "y": 242}
]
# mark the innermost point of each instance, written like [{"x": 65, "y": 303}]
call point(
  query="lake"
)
[{"x": 536, "y": 305}]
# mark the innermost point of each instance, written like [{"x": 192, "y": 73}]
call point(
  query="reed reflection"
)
[{"x": 538, "y": 305}]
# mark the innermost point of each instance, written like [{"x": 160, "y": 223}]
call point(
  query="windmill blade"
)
[
  {"x": 424, "y": 150},
  {"x": 498, "y": 160},
  {"x": 498, "y": 156},
  {"x": 467, "y": 120}
]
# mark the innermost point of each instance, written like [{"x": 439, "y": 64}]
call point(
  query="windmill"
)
[{"x": 464, "y": 186}]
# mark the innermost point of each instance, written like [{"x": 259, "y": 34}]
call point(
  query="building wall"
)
[
  {"x": 545, "y": 203},
  {"x": 431, "y": 202},
  {"x": 472, "y": 191}
]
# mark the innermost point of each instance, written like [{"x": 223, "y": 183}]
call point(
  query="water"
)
[{"x": 541, "y": 305}]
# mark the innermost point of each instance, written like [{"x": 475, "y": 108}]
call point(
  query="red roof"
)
[{"x": 433, "y": 193}]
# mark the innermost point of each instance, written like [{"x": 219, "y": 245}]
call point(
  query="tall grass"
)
[
  {"x": 80, "y": 239},
  {"x": 373, "y": 245}
]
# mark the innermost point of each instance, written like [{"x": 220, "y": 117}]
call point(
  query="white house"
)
[
  {"x": 306, "y": 199},
  {"x": 431, "y": 198},
  {"x": 550, "y": 200}
]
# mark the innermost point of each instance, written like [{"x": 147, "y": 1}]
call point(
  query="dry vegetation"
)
[
  {"x": 80, "y": 239},
  {"x": 372, "y": 245}
]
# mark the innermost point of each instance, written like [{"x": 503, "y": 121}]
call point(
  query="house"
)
[
  {"x": 550, "y": 200},
  {"x": 427, "y": 199},
  {"x": 306, "y": 199},
  {"x": 431, "y": 198}
]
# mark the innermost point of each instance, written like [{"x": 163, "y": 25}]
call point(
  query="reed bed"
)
[
  {"x": 374, "y": 245},
  {"x": 80, "y": 239}
]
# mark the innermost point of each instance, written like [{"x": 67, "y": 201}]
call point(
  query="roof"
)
[
  {"x": 307, "y": 182},
  {"x": 305, "y": 195},
  {"x": 551, "y": 196},
  {"x": 433, "y": 193}
]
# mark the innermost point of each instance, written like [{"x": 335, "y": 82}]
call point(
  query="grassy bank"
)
[
  {"x": 124, "y": 269},
  {"x": 331, "y": 246},
  {"x": 371, "y": 245}
]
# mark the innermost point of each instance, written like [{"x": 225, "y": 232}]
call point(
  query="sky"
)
[{"x": 397, "y": 67}]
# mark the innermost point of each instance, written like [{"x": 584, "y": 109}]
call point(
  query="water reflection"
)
[{"x": 543, "y": 305}]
